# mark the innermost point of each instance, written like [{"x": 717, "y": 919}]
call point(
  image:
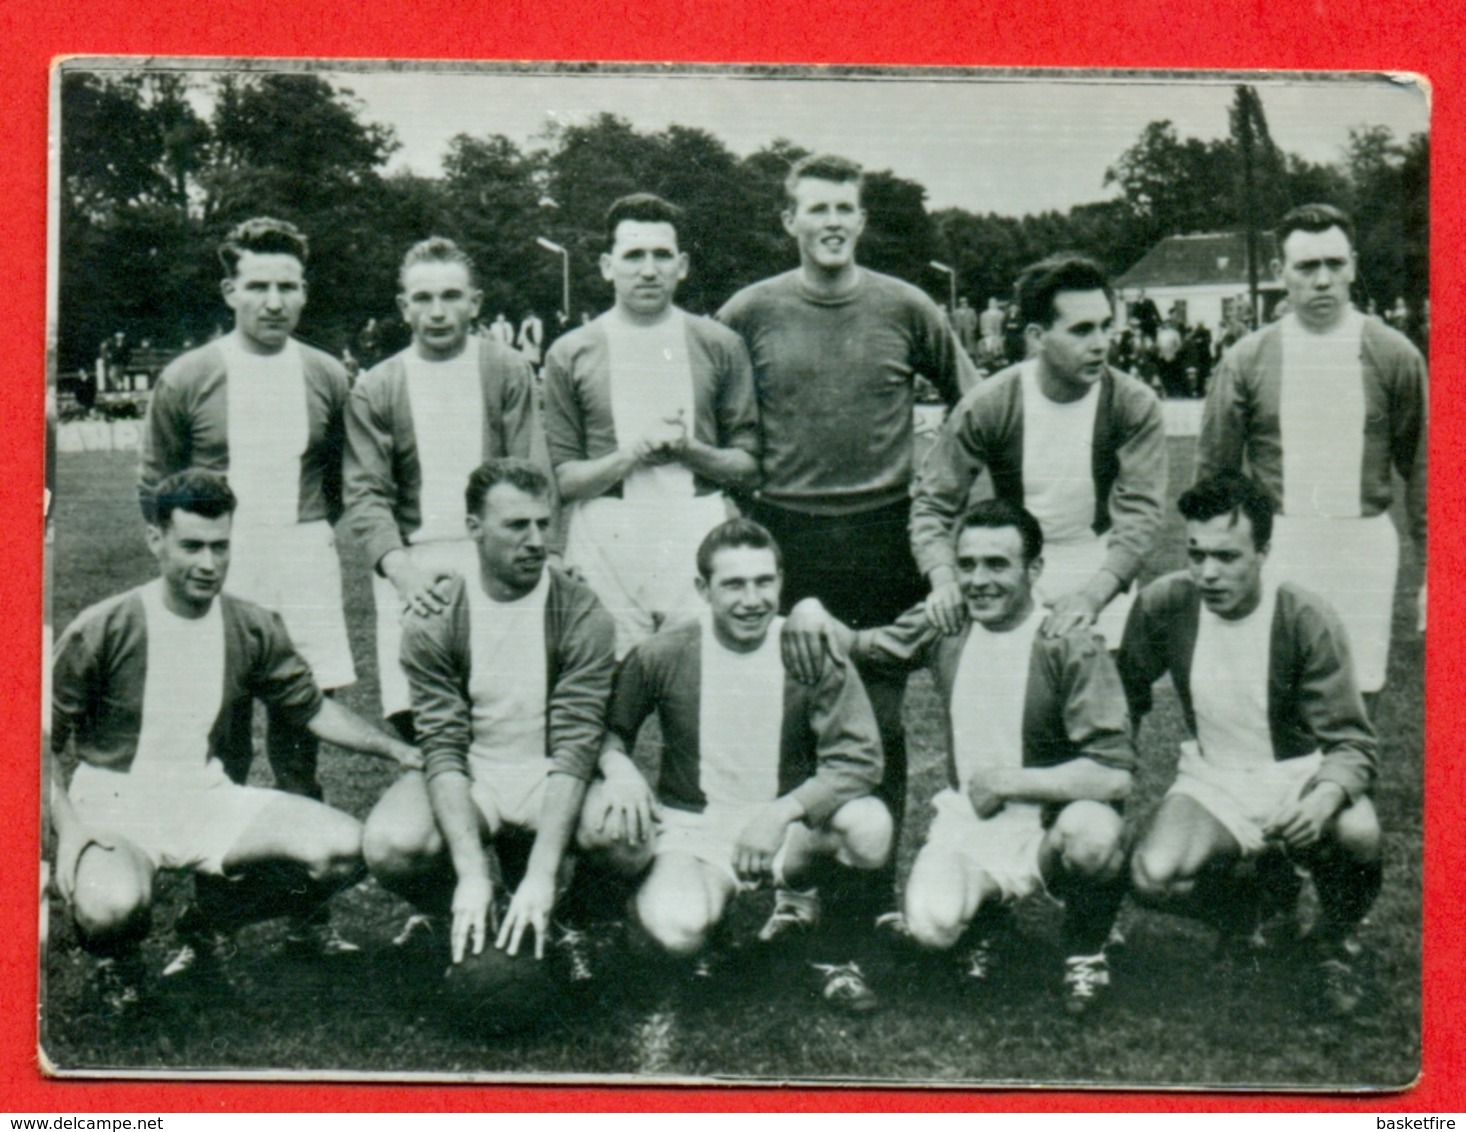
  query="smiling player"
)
[
  {"x": 1080, "y": 445},
  {"x": 762, "y": 778},
  {"x": 1040, "y": 756}
]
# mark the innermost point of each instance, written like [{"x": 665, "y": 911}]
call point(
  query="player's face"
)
[
  {"x": 826, "y": 221},
  {"x": 1073, "y": 347},
  {"x": 510, "y": 533},
  {"x": 644, "y": 267},
  {"x": 439, "y": 302},
  {"x": 997, "y": 585},
  {"x": 1318, "y": 268},
  {"x": 743, "y": 593},
  {"x": 266, "y": 294},
  {"x": 193, "y": 557},
  {"x": 1225, "y": 565}
]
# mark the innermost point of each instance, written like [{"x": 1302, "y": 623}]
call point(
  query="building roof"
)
[{"x": 1206, "y": 259}]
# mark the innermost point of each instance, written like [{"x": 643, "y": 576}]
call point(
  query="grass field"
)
[{"x": 1171, "y": 1018}]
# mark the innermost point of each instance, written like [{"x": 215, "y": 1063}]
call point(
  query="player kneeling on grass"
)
[
  {"x": 509, "y": 683},
  {"x": 1041, "y": 755},
  {"x": 762, "y": 779},
  {"x": 1282, "y": 756},
  {"x": 149, "y": 685}
]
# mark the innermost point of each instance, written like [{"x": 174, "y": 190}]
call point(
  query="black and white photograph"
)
[{"x": 855, "y": 576}]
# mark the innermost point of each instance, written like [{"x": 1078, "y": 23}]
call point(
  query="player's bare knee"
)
[
  {"x": 1356, "y": 829},
  {"x": 105, "y": 911},
  {"x": 931, "y": 924},
  {"x": 393, "y": 851},
  {"x": 865, "y": 830},
  {"x": 1090, "y": 843},
  {"x": 1154, "y": 877},
  {"x": 678, "y": 927}
]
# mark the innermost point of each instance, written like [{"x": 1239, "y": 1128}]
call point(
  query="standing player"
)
[
  {"x": 417, "y": 424},
  {"x": 268, "y": 412},
  {"x": 762, "y": 778},
  {"x": 1282, "y": 752},
  {"x": 1079, "y": 445},
  {"x": 836, "y": 350},
  {"x": 149, "y": 685},
  {"x": 509, "y": 687},
  {"x": 1321, "y": 408},
  {"x": 1040, "y": 756},
  {"x": 649, "y": 414}
]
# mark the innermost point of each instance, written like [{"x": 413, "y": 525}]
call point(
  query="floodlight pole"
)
[
  {"x": 951, "y": 283},
  {"x": 564, "y": 254}
]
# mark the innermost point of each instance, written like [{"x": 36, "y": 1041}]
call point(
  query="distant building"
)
[{"x": 1206, "y": 274}]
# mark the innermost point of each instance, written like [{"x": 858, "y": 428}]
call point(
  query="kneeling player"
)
[
  {"x": 149, "y": 685},
  {"x": 1040, "y": 747},
  {"x": 762, "y": 778},
  {"x": 1283, "y": 753},
  {"x": 509, "y": 685}
]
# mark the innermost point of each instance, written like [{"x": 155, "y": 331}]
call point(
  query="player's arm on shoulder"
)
[
  {"x": 1222, "y": 437},
  {"x": 810, "y": 637},
  {"x": 368, "y": 469},
  {"x": 166, "y": 439},
  {"x": 847, "y": 743},
  {"x": 1137, "y": 497}
]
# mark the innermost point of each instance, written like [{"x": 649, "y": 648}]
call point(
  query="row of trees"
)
[{"x": 150, "y": 184}]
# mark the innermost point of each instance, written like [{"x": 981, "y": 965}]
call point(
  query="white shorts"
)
[
  {"x": 1351, "y": 564},
  {"x": 457, "y": 555},
  {"x": 641, "y": 558},
  {"x": 1245, "y": 802},
  {"x": 511, "y": 794},
  {"x": 295, "y": 571},
  {"x": 1004, "y": 846},
  {"x": 178, "y": 823},
  {"x": 711, "y": 838}
]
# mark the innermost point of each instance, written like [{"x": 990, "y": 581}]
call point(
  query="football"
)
[{"x": 497, "y": 993}]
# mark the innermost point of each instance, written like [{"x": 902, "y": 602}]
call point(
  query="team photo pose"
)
[
  {"x": 1282, "y": 757},
  {"x": 649, "y": 416},
  {"x": 1322, "y": 409},
  {"x": 1039, "y": 755},
  {"x": 1078, "y": 444},
  {"x": 509, "y": 683},
  {"x": 268, "y": 412},
  {"x": 417, "y": 425},
  {"x": 151, "y": 687},
  {"x": 836, "y": 349},
  {"x": 762, "y": 779}
]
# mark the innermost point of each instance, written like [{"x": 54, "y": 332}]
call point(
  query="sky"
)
[{"x": 993, "y": 142}]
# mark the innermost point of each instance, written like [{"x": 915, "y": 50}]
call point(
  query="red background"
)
[{"x": 1386, "y": 35}]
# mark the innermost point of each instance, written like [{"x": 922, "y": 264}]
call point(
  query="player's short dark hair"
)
[
  {"x": 197, "y": 492},
  {"x": 263, "y": 235},
  {"x": 645, "y": 208},
  {"x": 1230, "y": 493},
  {"x": 1314, "y": 218},
  {"x": 994, "y": 514},
  {"x": 507, "y": 469},
  {"x": 732, "y": 533},
  {"x": 1041, "y": 282},
  {"x": 823, "y": 167},
  {"x": 436, "y": 249}
]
